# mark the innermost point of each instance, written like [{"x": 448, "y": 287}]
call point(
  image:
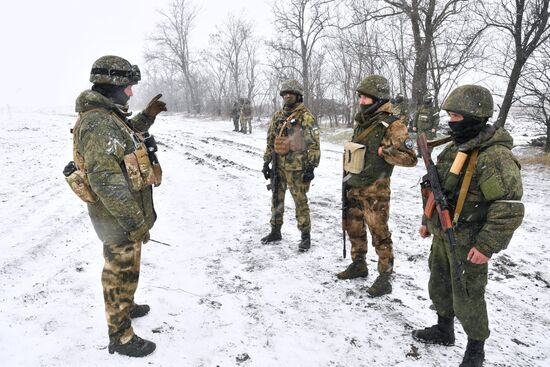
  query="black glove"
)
[
  {"x": 308, "y": 174},
  {"x": 155, "y": 106},
  {"x": 266, "y": 171}
]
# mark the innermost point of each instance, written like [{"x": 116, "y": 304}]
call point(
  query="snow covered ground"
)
[{"x": 218, "y": 296}]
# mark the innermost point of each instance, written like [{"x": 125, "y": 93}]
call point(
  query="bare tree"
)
[
  {"x": 302, "y": 24},
  {"x": 526, "y": 24},
  {"x": 171, "y": 47}
]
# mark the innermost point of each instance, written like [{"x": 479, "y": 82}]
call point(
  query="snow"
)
[{"x": 218, "y": 296}]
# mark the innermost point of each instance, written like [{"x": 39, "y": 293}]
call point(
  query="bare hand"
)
[
  {"x": 476, "y": 257},
  {"x": 414, "y": 128},
  {"x": 423, "y": 231},
  {"x": 380, "y": 151}
]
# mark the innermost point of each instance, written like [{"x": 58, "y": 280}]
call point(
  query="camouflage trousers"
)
[
  {"x": 369, "y": 206},
  {"x": 246, "y": 121},
  {"x": 298, "y": 189},
  {"x": 120, "y": 279},
  {"x": 236, "y": 123},
  {"x": 449, "y": 299}
]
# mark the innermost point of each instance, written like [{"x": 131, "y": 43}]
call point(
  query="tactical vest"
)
[{"x": 375, "y": 167}]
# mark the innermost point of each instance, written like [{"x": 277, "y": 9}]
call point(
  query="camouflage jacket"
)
[
  {"x": 302, "y": 127},
  {"x": 426, "y": 118},
  {"x": 103, "y": 143},
  {"x": 246, "y": 111},
  {"x": 492, "y": 210},
  {"x": 392, "y": 136}
]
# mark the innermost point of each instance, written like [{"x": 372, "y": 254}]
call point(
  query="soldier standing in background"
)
[
  {"x": 246, "y": 116},
  {"x": 485, "y": 218},
  {"x": 426, "y": 118},
  {"x": 293, "y": 142},
  {"x": 386, "y": 143},
  {"x": 117, "y": 172},
  {"x": 400, "y": 108},
  {"x": 235, "y": 113}
]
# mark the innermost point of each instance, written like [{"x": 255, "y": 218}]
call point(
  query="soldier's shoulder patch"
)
[{"x": 409, "y": 144}]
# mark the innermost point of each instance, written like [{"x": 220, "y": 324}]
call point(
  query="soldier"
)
[
  {"x": 400, "y": 108},
  {"x": 246, "y": 116},
  {"x": 110, "y": 151},
  {"x": 293, "y": 141},
  {"x": 386, "y": 143},
  {"x": 426, "y": 118},
  {"x": 235, "y": 114},
  {"x": 485, "y": 218}
]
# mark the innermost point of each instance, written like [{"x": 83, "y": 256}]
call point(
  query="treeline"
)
[{"x": 421, "y": 46}]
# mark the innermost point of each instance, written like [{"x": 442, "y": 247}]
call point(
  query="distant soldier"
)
[
  {"x": 293, "y": 141},
  {"x": 481, "y": 181},
  {"x": 235, "y": 114},
  {"x": 246, "y": 116},
  {"x": 383, "y": 142},
  {"x": 426, "y": 118},
  {"x": 116, "y": 169},
  {"x": 400, "y": 108}
]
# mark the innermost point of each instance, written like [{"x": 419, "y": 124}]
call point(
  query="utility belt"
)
[{"x": 142, "y": 165}]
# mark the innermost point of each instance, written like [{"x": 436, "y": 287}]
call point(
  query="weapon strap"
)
[
  {"x": 365, "y": 133},
  {"x": 465, "y": 185},
  {"x": 437, "y": 142},
  {"x": 287, "y": 121}
]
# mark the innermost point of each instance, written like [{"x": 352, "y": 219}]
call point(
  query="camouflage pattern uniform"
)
[
  {"x": 426, "y": 119},
  {"x": 291, "y": 166},
  {"x": 104, "y": 137},
  {"x": 369, "y": 194},
  {"x": 246, "y": 117},
  {"x": 235, "y": 112}
]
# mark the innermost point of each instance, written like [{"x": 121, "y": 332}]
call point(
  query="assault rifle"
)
[
  {"x": 437, "y": 200},
  {"x": 344, "y": 205}
]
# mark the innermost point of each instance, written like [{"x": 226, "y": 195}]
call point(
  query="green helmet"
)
[
  {"x": 114, "y": 70},
  {"x": 471, "y": 100},
  {"x": 374, "y": 86},
  {"x": 292, "y": 86}
]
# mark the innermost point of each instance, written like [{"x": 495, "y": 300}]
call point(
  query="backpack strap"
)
[{"x": 465, "y": 185}]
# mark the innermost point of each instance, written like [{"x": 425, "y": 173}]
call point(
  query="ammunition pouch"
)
[
  {"x": 354, "y": 157},
  {"x": 282, "y": 145},
  {"x": 139, "y": 168},
  {"x": 78, "y": 182}
]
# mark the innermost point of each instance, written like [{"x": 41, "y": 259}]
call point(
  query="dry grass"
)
[{"x": 539, "y": 159}]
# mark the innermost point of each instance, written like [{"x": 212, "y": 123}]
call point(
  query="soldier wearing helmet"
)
[
  {"x": 293, "y": 149},
  {"x": 400, "y": 107},
  {"x": 116, "y": 157},
  {"x": 426, "y": 118},
  {"x": 383, "y": 142},
  {"x": 484, "y": 187}
]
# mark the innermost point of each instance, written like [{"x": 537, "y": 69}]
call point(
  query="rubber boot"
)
[
  {"x": 475, "y": 354},
  {"x": 443, "y": 333},
  {"x": 139, "y": 311},
  {"x": 357, "y": 269},
  {"x": 305, "y": 243},
  {"x": 381, "y": 286},
  {"x": 274, "y": 235},
  {"x": 136, "y": 347}
]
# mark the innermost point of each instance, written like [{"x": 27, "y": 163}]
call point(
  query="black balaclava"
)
[
  {"x": 368, "y": 109},
  {"x": 114, "y": 92},
  {"x": 466, "y": 129}
]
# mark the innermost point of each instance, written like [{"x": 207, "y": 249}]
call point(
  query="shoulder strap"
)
[
  {"x": 465, "y": 185},
  {"x": 288, "y": 119},
  {"x": 366, "y": 132}
]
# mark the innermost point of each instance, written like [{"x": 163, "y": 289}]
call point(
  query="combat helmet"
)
[
  {"x": 114, "y": 70},
  {"x": 428, "y": 99},
  {"x": 470, "y": 100},
  {"x": 375, "y": 86},
  {"x": 291, "y": 86}
]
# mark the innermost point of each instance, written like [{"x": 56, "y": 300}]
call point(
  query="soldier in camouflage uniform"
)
[
  {"x": 235, "y": 112},
  {"x": 246, "y": 117},
  {"x": 426, "y": 118},
  {"x": 490, "y": 214},
  {"x": 387, "y": 144},
  {"x": 295, "y": 167},
  {"x": 399, "y": 108},
  {"x": 122, "y": 213}
]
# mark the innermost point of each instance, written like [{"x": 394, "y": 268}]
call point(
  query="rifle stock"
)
[{"x": 437, "y": 200}]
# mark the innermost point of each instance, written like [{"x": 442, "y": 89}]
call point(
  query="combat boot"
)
[
  {"x": 381, "y": 286},
  {"x": 136, "y": 347},
  {"x": 139, "y": 311},
  {"x": 274, "y": 235},
  {"x": 357, "y": 269},
  {"x": 443, "y": 333},
  {"x": 475, "y": 354},
  {"x": 305, "y": 243}
]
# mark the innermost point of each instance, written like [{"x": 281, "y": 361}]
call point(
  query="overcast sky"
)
[{"x": 48, "y": 47}]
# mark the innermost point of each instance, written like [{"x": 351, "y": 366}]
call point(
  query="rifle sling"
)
[
  {"x": 365, "y": 133},
  {"x": 287, "y": 121},
  {"x": 465, "y": 185}
]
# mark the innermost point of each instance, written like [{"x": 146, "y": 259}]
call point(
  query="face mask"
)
[
  {"x": 114, "y": 92},
  {"x": 466, "y": 129}
]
